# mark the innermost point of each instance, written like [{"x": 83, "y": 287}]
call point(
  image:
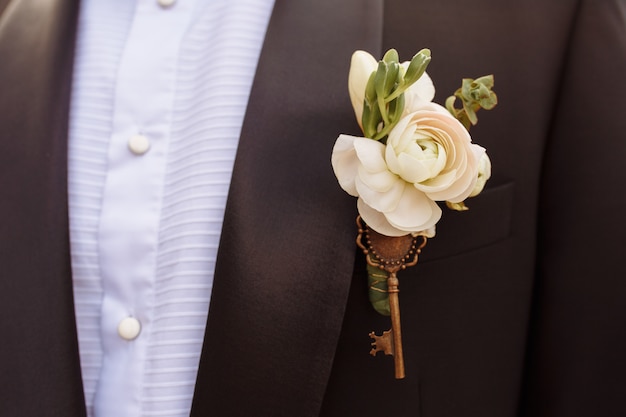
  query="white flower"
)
[
  {"x": 387, "y": 203},
  {"x": 363, "y": 65},
  {"x": 432, "y": 150},
  {"x": 428, "y": 157},
  {"x": 484, "y": 173}
]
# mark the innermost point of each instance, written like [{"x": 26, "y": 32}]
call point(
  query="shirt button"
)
[
  {"x": 166, "y": 3},
  {"x": 138, "y": 144},
  {"x": 129, "y": 328}
]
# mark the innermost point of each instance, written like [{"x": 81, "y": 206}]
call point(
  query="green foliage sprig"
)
[
  {"x": 474, "y": 95},
  {"x": 384, "y": 93}
]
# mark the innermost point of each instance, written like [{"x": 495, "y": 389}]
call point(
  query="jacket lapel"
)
[
  {"x": 287, "y": 250},
  {"x": 39, "y": 350}
]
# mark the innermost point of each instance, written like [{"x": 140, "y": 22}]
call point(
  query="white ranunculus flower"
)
[
  {"x": 432, "y": 150},
  {"x": 363, "y": 65},
  {"x": 387, "y": 203},
  {"x": 429, "y": 157}
]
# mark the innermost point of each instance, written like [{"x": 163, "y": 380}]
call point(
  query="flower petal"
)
[
  {"x": 377, "y": 181},
  {"x": 419, "y": 94},
  {"x": 382, "y": 201},
  {"x": 413, "y": 169},
  {"x": 415, "y": 211},
  {"x": 377, "y": 221},
  {"x": 345, "y": 163},
  {"x": 484, "y": 173},
  {"x": 396, "y": 135},
  {"x": 371, "y": 154},
  {"x": 430, "y": 232},
  {"x": 361, "y": 67}
]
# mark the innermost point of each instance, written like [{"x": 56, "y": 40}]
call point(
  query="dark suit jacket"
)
[{"x": 515, "y": 308}]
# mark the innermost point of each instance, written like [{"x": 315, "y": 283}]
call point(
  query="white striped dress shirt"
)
[{"x": 159, "y": 96}]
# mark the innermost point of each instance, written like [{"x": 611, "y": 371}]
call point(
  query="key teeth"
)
[
  {"x": 382, "y": 343},
  {"x": 374, "y": 348}
]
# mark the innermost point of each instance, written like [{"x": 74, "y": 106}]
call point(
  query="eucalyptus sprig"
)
[
  {"x": 474, "y": 95},
  {"x": 384, "y": 92}
]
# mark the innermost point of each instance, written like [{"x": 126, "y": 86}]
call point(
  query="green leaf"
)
[
  {"x": 486, "y": 80},
  {"x": 391, "y": 56},
  {"x": 474, "y": 95},
  {"x": 370, "y": 90},
  {"x": 380, "y": 80},
  {"x": 417, "y": 67},
  {"x": 450, "y": 106},
  {"x": 470, "y": 113},
  {"x": 380, "y": 77},
  {"x": 395, "y": 111},
  {"x": 378, "y": 295},
  {"x": 371, "y": 120},
  {"x": 391, "y": 78},
  {"x": 382, "y": 307}
]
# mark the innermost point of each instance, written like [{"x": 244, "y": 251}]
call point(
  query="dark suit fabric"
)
[
  {"x": 39, "y": 367},
  {"x": 515, "y": 307}
]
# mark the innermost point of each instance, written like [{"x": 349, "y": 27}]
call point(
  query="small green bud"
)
[
  {"x": 417, "y": 66},
  {"x": 391, "y": 56},
  {"x": 392, "y": 77},
  {"x": 457, "y": 206},
  {"x": 380, "y": 79},
  {"x": 396, "y": 107},
  {"x": 370, "y": 90}
]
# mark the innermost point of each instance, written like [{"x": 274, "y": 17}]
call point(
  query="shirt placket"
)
[{"x": 132, "y": 198}]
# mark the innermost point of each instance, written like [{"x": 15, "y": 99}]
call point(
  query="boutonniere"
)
[{"x": 413, "y": 155}]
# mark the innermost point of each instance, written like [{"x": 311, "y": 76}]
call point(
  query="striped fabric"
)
[{"x": 191, "y": 109}]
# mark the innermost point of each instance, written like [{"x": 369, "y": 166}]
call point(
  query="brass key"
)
[
  {"x": 390, "y": 342},
  {"x": 391, "y": 254}
]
